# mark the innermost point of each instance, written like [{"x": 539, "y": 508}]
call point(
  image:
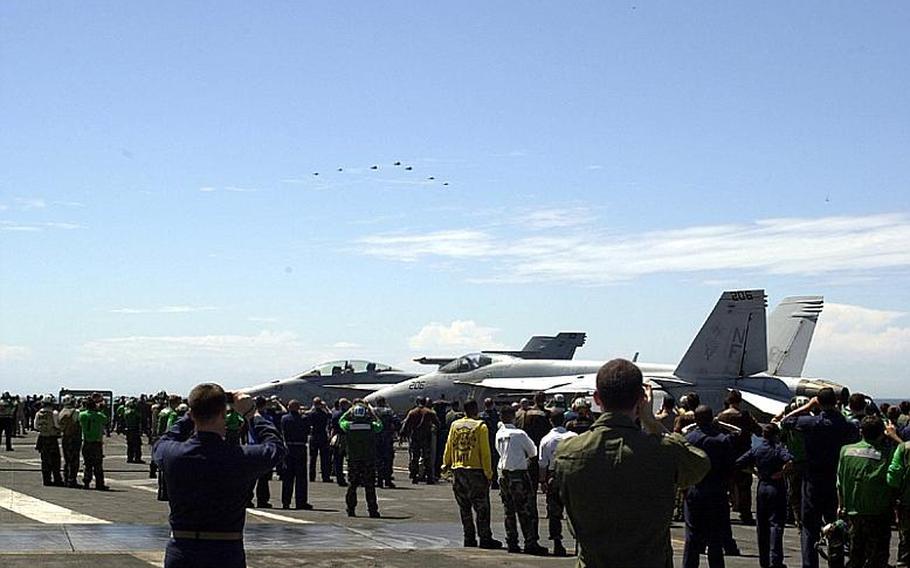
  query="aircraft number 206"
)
[
  {"x": 417, "y": 385},
  {"x": 742, "y": 296}
]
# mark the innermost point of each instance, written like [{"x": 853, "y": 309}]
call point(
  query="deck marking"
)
[{"x": 43, "y": 511}]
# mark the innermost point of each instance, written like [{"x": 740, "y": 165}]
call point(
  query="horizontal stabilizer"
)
[
  {"x": 435, "y": 360},
  {"x": 733, "y": 340},
  {"x": 561, "y": 347},
  {"x": 790, "y": 330},
  {"x": 763, "y": 403}
]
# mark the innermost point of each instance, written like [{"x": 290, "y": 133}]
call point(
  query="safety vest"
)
[{"x": 44, "y": 423}]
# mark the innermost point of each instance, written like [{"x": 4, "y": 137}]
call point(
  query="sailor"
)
[
  {"x": 93, "y": 421},
  {"x": 319, "y": 418},
  {"x": 707, "y": 509},
  {"x": 547, "y": 455},
  {"x": 418, "y": 428},
  {"x": 824, "y": 433},
  {"x": 741, "y": 486},
  {"x": 770, "y": 460},
  {"x": 385, "y": 448},
  {"x": 7, "y": 416},
  {"x": 864, "y": 496},
  {"x": 360, "y": 427},
  {"x": 337, "y": 441},
  {"x": 295, "y": 427},
  {"x": 208, "y": 479},
  {"x": 899, "y": 480},
  {"x": 48, "y": 441},
  {"x": 467, "y": 455},
  {"x": 132, "y": 423},
  {"x": 490, "y": 417},
  {"x": 68, "y": 421}
]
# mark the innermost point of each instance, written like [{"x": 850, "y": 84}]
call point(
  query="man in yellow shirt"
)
[{"x": 467, "y": 454}]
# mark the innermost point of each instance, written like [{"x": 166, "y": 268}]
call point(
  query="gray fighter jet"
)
[{"x": 730, "y": 351}]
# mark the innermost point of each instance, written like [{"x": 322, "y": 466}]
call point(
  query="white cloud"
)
[
  {"x": 37, "y": 227},
  {"x": 865, "y": 348},
  {"x": 13, "y": 353},
  {"x": 594, "y": 167},
  {"x": 164, "y": 310},
  {"x": 75, "y": 204},
  {"x": 459, "y": 336},
  {"x": 207, "y": 189},
  {"x": 236, "y": 189},
  {"x": 29, "y": 203},
  {"x": 556, "y": 218},
  {"x": 596, "y": 256},
  {"x": 346, "y": 345}
]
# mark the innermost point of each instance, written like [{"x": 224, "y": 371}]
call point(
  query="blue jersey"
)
[
  {"x": 208, "y": 479},
  {"x": 768, "y": 460},
  {"x": 295, "y": 428},
  {"x": 719, "y": 447},
  {"x": 824, "y": 434}
]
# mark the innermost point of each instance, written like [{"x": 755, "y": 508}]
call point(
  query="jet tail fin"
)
[
  {"x": 733, "y": 340},
  {"x": 790, "y": 330},
  {"x": 562, "y": 346}
]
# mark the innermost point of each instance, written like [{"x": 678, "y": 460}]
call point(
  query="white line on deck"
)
[
  {"x": 43, "y": 511},
  {"x": 277, "y": 517}
]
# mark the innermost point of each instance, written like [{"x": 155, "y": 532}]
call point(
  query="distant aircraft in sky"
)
[{"x": 730, "y": 351}]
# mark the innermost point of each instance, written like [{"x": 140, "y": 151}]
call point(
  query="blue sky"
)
[{"x": 611, "y": 167}]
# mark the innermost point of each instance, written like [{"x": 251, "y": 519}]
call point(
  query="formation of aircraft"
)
[{"x": 731, "y": 351}]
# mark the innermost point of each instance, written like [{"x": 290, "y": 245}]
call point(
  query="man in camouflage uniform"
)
[
  {"x": 68, "y": 421},
  {"x": 48, "y": 442},
  {"x": 467, "y": 454},
  {"x": 360, "y": 427}
]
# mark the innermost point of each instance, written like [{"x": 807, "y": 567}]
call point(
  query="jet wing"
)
[
  {"x": 523, "y": 384},
  {"x": 763, "y": 403},
  {"x": 366, "y": 388}
]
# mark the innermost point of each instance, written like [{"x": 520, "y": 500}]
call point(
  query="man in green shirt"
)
[
  {"x": 93, "y": 423},
  {"x": 899, "y": 480},
  {"x": 360, "y": 427},
  {"x": 864, "y": 496},
  {"x": 618, "y": 483}
]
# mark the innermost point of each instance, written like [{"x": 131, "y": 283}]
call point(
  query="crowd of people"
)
[{"x": 835, "y": 469}]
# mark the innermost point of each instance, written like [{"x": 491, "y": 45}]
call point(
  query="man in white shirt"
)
[
  {"x": 547, "y": 465},
  {"x": 518, "y": 498}
]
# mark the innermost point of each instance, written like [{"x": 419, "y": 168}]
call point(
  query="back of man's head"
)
[
  {"x": 507, "y": 414},
  {"x": 872, "y": 428},
  {"x": 734, "y": 398},
  {"x": 704, "y": 416},
  {"x": 557, "y": 419},
  {"x": 619, "y": 385},
  {"x": 455, "y": 405},
  {"x": 692, "y": 401},
  {"x": 770, "y": 432},
  {"x": 488, "y": 403},
  {"x": 905, "y": 407},
  {"x": 827, "y": 397},
  {"x": 540, "y": 399},
  {"x": 294, "y": 405},
  {"x": 207, "y": 402},
  {"x": 857, "y": 403},
  {"x": 470, "y": 408},
  {"x": 669, "y": 403}
]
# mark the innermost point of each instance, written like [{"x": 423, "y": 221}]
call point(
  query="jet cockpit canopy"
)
[{"x": 467, "y": 363}]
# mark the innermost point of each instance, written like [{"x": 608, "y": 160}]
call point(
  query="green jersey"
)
[
  {"x": 233, "y": 421},
  {"x": 862, "y": 478},
  {"x": 92, "y": 423},
  {"x": 360, "y": 436},
  {"x": 132, "y": 419},
  {"x": 898, "y": 477},
  {"x": 165, "y": 420}
]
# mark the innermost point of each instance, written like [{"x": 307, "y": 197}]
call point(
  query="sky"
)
[{"x": 608, "y": 167}]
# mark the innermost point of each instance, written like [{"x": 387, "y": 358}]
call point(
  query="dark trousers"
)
[
  {"x": 338, "y": 462},
  {"x": 232, "y": 437},
  {"x": 903, "y": 524},
  {"x": 819, "y": 506},
  {"x": 472, "y": 494},
  {"x": 294, "y": 479},
  {"x": 49, "y": 448},
  {"x": 771, "y": 509},
  {"x": 133, "y": 446},
  {"x": 6, "y": 429},
  {"x": 519, "y": 501},
  {"x": 93, "y": 455},
  {"x": 741, "y": 492},
  {"x": 204, "y": 554},
  {"x": 361, "y": 474},
  {"x": 385, "y": 456},
  {"x": 319, "y": 449},
  {"x": 795, "y": 492},
  {"x": 263, "y": 493},
  {"x": 870, "y": 541},
  {"x": 71, "y": 448},
  {"x": 705, "y": 528},
  {"x": 420, "y": 464},
  {"x": 555, "y": 510}
]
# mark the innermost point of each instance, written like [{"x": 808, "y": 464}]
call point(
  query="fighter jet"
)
[
  {"x": 730, "y": 351},
  {"x": 351, "y": 378}
]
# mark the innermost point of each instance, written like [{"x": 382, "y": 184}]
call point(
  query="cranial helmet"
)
[{"x": 359, "y": 411}]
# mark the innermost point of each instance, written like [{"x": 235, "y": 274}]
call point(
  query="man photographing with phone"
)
[{"x": 208, "y": 479}]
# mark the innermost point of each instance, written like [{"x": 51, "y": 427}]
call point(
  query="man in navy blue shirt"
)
[
  {"x": 208, "y": 479},
  {"x": 707, "y": 508},
  {"x": 824, "y": 433},
  {"x": 296, "y": 429},
  {"x": 769, "y": 460}
]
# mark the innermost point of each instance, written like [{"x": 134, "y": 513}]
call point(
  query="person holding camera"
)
[{"x": 208, "y": 479}]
